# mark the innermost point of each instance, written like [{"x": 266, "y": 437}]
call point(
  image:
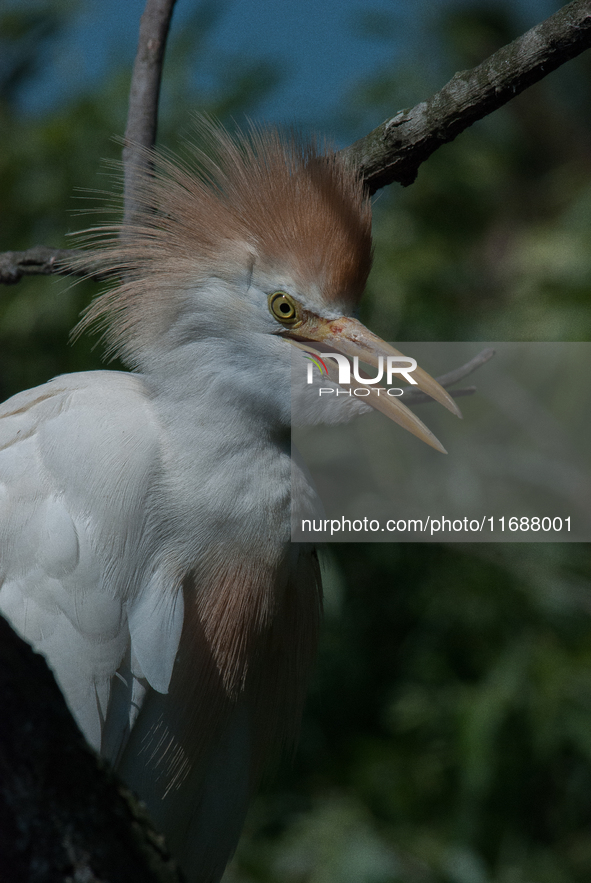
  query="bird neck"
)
[
  {"x": 224, "y": 414},
  {"x": 237, "y": 384}
]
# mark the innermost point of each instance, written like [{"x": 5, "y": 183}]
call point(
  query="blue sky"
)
[{"x": 319, "y": 45}]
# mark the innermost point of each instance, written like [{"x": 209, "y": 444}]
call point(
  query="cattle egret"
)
[{"x": 145, "y": 516}]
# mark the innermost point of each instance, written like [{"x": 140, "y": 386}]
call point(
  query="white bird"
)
[{"x": 145, "y": 516}]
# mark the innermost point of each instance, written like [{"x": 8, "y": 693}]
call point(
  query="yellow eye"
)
[{"x": 283, "y": 307}]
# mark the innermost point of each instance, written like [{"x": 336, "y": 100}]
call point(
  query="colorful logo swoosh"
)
[{"x": 316, "y": 360}]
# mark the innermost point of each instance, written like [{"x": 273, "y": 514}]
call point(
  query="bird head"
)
[{"x": 262, "y": 241}]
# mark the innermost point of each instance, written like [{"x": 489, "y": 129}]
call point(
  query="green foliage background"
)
[{"x": 448, "y": 732}]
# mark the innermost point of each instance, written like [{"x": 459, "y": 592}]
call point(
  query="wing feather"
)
[
  {"x": 155, "y": 625},
  {"x": 78, "y": 459}
]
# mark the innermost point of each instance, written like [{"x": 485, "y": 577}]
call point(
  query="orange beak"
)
[{"x": 350, "y": 338}]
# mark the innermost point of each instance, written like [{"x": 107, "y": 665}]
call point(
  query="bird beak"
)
[{"x": 351, "y": 338}]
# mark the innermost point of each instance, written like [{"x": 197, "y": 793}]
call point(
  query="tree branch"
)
[
  {"x": 41, "y": 261},
  {"x": 395, "y": 150},
  {"x": 142, "y": 118},
  {"x": 63, "y": 813}
]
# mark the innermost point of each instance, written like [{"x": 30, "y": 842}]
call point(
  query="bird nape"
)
[{"x": 145, "y": 516}]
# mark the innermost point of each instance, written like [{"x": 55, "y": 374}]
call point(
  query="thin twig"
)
[
  {"x": 41, "y": 261},
  {"x": 142, "y": 119},
  {"x": 412, "y": 397},
  {"x": 395, "y": 150}
]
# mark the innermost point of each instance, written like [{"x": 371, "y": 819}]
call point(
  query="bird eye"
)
[{"x": 283, "y": 307}]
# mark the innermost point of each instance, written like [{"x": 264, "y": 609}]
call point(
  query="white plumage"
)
[{"x": 145, "y": 517}]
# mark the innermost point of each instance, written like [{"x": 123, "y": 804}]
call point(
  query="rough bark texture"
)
[
  {"x": 63, "y": 814},
  {"x": 395, "y": 150}
]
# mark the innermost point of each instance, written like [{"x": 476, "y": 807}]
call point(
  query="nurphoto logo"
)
[{"x": 402, "y": 365}]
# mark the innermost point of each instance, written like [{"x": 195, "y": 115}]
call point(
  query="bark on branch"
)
[
  {"x": 395, "y": 150},
  {"x": 63, "y": 813}
]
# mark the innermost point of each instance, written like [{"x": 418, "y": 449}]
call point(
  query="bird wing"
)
[{"x": 78, "y": 459}]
